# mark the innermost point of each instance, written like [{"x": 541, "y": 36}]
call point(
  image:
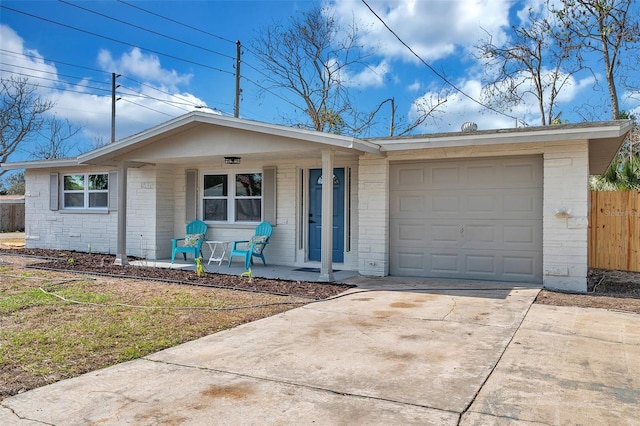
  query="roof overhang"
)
[
  {"x": 40, "y": 164},
  {"x": 604, "y": 138},
  {"x": 119, "y": 151}
]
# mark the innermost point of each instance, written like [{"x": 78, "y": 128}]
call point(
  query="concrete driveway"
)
[{"x": 390, "y": 352}]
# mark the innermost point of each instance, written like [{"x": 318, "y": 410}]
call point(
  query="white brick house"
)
[{"x": 508, "y": 205}]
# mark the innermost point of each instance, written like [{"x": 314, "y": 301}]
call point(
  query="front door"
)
[{"x": 315, "y": 214}]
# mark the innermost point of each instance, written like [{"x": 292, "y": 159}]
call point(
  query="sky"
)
[{"x": 172, "y": 57}]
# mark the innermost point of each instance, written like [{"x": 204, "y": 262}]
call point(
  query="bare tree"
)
[
  {"x": 608, "y": 28},
  {"x": 531, "y": 63},
  {"x": 308, "y": 57},
  {"x": 21, "y": 114},
  {"x": 57, "y": 145}
]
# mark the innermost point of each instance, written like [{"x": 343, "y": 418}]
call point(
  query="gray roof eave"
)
[
  {"x": 40, "y": 164},
  {"x": 583, "y": 131}
]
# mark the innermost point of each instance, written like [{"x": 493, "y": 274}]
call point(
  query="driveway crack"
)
[
  {"x": 466, "y": 409},
  {"x": 24, "y": 418},
  {"x": 306, "y": 386},
  {"x": 444, "y": 318}
]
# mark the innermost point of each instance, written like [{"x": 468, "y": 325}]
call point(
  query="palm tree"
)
[{"x": 622, "y": 175}]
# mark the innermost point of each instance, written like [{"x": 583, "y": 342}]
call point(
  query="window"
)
[
  {"x": 86, "y": 191},
  {"x": 233, "y": 197}
]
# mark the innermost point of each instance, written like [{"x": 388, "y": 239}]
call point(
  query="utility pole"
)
[
  {"x": 236, "y": 105},
  {"x": 114, "y": 76}
]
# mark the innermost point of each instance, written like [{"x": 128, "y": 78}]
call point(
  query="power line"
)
[
  {"x": 176, "y": 22},
  {"x": 150, "y": 50},
  {"x": 442, "y": 77},
  {"x": 57, "y": 62},
  {"x": 149, "y": 108},
  {"x": 146, "y": 29},
  {"x": 273, "y": 93},
  {"x": 37, "y": 77},
  {"x": 50, "y": 72},
  {"x": 140, "y": 95},
  {"x": 116, "y": 40},
  {"x": 135, "y": 93}
]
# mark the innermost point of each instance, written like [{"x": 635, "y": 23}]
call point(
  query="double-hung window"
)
[
  {"x": 232, "y": 197},
  {"x": 85, "y": 191}
]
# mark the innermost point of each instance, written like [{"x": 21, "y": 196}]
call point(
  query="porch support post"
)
[
  {"x": 326, "y": 256},
  {"x": 121, "y": 249}
]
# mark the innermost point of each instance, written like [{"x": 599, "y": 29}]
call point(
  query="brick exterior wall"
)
[
  {"x": 373, "y": 215},
  {"x": 45, "y": 228},
  {"x": 156, "y": 210},
  {"x": 566, "y": 185}
]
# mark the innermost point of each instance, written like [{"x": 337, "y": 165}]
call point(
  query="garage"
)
[{"x": 467, "y": 218}]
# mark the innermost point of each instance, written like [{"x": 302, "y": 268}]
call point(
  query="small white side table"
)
[{"x": 220, "y": 246}]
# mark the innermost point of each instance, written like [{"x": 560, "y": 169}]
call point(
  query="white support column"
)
[
  {"x": 326, "y": 256},
  {"x": 121, "y": 249}
]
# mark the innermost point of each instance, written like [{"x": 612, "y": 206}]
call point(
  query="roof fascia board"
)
[
  {"x": 40, "y": 164},
  {"x": 547, "y": 134},
  {"x": 235, "y": 123}
]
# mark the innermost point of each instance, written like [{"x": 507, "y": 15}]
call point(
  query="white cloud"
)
[
  {"x": 415, "y": 86},
  {"x": 371, "y": 76},
  {"x": 457, "y": 110},
  {"x": 147, "y": 67},
  {"x": 142, "y": 105},
  {"x": 22, "y": 62},
  {"x": 433, "y": 29}
]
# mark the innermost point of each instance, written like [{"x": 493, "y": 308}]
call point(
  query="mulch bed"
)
[
  {"x": 616, "y": 290},
  {"x": 102, "y": 264}
]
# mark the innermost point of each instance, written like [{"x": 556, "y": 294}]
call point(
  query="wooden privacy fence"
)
[
  {"x": 614, "y": 230},
  {"x": 11, "y": 213}
]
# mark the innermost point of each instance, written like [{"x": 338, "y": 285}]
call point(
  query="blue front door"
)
[{"x": 315, "y": 214}]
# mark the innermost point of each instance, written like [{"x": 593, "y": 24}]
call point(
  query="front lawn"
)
[{"x": 56, "y": 325}]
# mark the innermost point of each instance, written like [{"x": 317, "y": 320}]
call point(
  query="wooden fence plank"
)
[{"x": 614, "y": 230}]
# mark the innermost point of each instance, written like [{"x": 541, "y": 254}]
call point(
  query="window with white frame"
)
[
  {"x": 85, "y": 191},
  {"x": 232, "y": 197}
]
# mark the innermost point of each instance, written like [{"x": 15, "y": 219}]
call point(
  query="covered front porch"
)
[{"x": 165, "y": 180}]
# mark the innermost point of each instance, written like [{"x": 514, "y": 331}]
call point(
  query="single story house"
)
[{"x": 508, "y": 205}]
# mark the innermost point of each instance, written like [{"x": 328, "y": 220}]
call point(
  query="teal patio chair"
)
[
  {"x": 253, "y": 247},
  {"x": 192, "y": 242}
]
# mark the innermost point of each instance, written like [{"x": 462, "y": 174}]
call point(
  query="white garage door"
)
[{"x": 475, "y": 219}]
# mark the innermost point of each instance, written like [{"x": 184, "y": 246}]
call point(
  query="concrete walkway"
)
[{"x": 389, "y": 352}]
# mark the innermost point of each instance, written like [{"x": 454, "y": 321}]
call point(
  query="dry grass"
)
[{"x": 44, "y": 338}]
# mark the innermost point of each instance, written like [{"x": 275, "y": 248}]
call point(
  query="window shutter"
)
[
  {"x": 113, "y": 191},
  {"x": 191, "y": 198},
  {"x": 269, "y": 194},
  {"x": 54, "y": 191}
]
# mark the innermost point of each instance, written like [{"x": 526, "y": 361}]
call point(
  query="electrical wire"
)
[
  {"x": 149, "y": 108},
  {"x": 52, "y": 79},
  {"x": 258, "y": 85},
  {"x": 135, "y": 93},
  {"x": 50, "y": 72},
  {"x": 439, "y": 75},
  {"x": 56, "y": 61},
  {"x": 116, "y": 40},
  {"x": 147, "y": 30},
  {"x": 58, "y": 88},
  {"x": 176, "y": 22},
  {"x": 220, "y": 38}
]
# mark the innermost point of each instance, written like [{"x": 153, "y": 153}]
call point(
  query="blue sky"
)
[{"x": 71, "y": 48}]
